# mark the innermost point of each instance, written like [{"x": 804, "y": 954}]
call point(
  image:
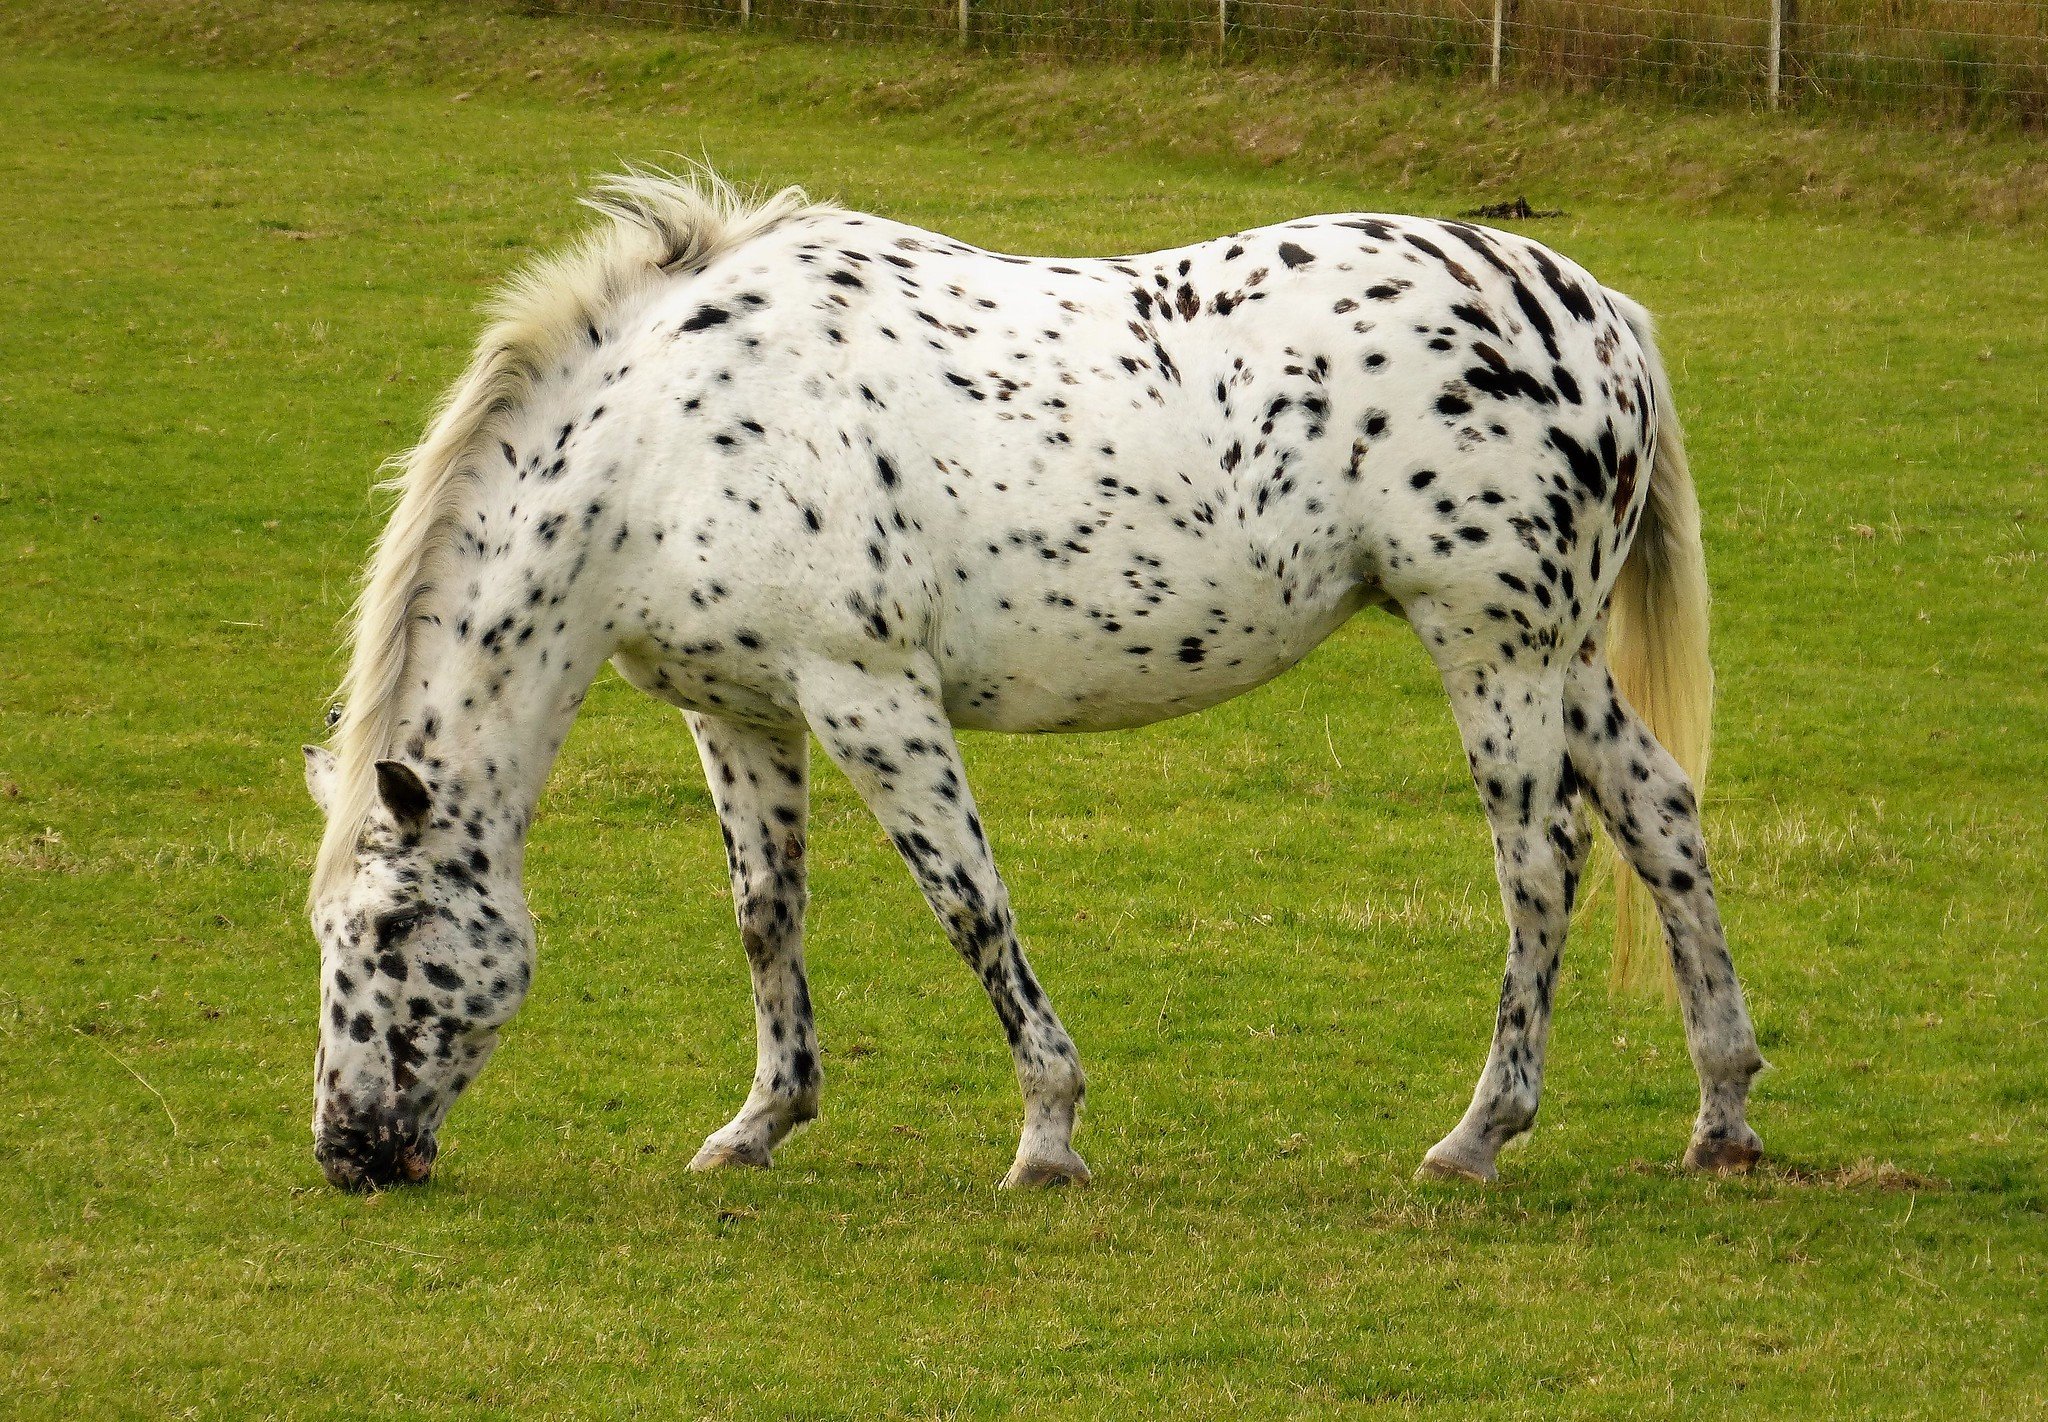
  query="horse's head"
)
[{"x": 426, "y": 950}]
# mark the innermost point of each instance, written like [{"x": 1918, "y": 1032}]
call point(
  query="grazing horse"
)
[{"x": 804, "y": 472}]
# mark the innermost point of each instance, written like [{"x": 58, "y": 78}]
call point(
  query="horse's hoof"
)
[
  {"x": 1047, "y": 1174},
  {"x": 721, "y": 1157},
  {"x": 1724, "y": 1156},
  {"x": 1447, "y": 1167}
]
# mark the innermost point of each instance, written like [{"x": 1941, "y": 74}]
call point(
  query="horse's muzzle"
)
[{"x": 374, "y": 1152}]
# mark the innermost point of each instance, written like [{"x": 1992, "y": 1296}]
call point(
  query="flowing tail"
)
[{"x": 1657, "y": 648}]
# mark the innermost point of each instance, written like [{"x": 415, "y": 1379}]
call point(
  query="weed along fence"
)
[{"x": 1983, "y": 59}]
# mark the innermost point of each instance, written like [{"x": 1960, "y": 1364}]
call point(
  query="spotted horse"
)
[{"x": 804, "y": 472}]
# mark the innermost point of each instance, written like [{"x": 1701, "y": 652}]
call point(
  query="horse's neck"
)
[{"x": 496, "y": 679}]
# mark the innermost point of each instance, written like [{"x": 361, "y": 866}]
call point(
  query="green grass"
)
[{"x": 1272, "y": 928}]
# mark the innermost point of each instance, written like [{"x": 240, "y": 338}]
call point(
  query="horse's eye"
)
[
  {"x": 395, "y": 925},
  {"x": 333, "y": 716}
]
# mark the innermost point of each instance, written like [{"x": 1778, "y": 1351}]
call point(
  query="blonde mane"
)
[{"x": 660, "y": 225}]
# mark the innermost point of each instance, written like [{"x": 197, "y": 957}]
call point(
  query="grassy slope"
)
[
  {"x": 1330, "y": 125},
  {"x": 229, "y": 293}
]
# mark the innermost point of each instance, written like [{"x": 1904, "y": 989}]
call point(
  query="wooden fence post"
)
[
  {"x": 1222, "y": 23},
  {"x": 1500, "y": 24},
  {"x": 963, "y": 21},
  {"x": 746, "y": 12},
  {"x": 1781, "y": 20}
]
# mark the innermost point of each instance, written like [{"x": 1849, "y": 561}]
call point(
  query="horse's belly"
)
[
  {"x": 1016, "y": 676},
  {"x": 1028, "y": 704}
]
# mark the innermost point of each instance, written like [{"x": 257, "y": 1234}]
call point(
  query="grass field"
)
[{"x": 230, "y": 290}]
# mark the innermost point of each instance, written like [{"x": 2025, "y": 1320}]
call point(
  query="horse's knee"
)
[{"x": 769, "y": 912}]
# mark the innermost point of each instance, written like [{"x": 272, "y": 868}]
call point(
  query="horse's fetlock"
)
[
  {"x": 1512, "y": 1114},
  {"x": 1732, "y": 1069},
  {"x": 1052, "y": 1077}
]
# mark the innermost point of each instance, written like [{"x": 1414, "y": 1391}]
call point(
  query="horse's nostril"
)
[{"x": 418, "y": 1163}]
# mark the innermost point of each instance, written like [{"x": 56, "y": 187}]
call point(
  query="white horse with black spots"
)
[{"x": 803, "y": 472}]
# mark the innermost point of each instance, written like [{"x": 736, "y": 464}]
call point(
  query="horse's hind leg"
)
[
  {"x": 891, "y": 737},
  {"x": 1512, "y": 722},
  {"x": 759, "y": 783},
  {"x": 1650, "y": 811}
]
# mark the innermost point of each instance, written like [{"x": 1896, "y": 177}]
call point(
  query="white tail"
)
[{"x": 1657, "y": 648}]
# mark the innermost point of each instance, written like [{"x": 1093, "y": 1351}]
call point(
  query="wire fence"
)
[{"x": 1973, "y": 59}]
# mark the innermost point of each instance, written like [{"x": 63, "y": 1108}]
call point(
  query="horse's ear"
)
[
  {"x": 320, "y": 776},
  {"x": 404, "y": 794}
]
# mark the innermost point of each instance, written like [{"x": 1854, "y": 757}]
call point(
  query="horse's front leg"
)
[
  {"x": 759, "y": 781},
  {"x": 891, "y": 737}
]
